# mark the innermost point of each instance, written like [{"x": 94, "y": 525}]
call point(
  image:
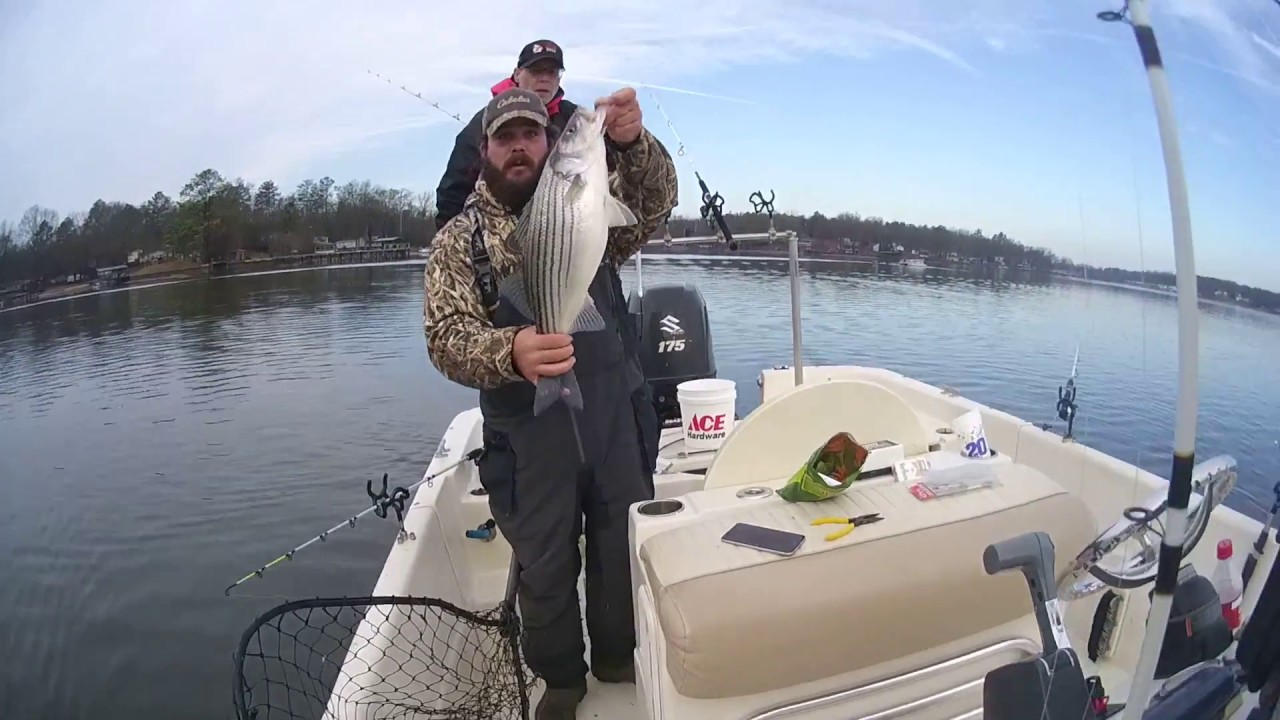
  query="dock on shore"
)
[{"x": 314, "y": 259}]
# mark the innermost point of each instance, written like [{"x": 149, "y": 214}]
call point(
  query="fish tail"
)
[{"x": 559, "y": 388}]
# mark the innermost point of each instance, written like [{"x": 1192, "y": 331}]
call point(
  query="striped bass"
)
[{"x": 561, "y": 237}]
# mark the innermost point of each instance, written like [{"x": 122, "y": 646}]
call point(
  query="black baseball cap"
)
[{"x": 541, "y": 50}]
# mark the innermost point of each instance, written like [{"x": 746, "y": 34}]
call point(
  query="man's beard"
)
[{"x": 514, "y": 194}]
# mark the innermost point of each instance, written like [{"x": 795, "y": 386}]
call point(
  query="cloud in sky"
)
[
  {"x": 1229, "y": 31},
  {"x": 121, "y": 98},
  {"x": 117, "y": 100}
]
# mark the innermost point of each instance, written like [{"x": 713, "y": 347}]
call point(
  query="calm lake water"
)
[{"x": 157, "y": 444}]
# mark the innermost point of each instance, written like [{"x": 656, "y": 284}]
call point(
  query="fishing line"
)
[
  {"x": 680, "y": 150},
  {"x": 435, "y": 105},
  {"x": 1142, "y": 263},
  {"x": 712, "y": 209},
  {"x": 381, "y": 503},
  {"x": 1143, "y": 299}
]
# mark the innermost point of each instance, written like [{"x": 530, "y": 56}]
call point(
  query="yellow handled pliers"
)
[{"x": 851, "y": 522}]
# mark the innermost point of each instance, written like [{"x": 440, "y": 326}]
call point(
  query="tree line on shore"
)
[
  {"x": 210, "y": 221},
  {"x": 867, "y": 232},
  {"x": 938, "y": 240},
  {"x": 214, "y": 218}
]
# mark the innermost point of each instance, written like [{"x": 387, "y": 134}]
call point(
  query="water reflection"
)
[{"x": 157, "y": 444}]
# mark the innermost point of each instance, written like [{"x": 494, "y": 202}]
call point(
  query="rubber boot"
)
[
  {"x": 615, "y": 674},
  {"x": 559, "y": 703}
]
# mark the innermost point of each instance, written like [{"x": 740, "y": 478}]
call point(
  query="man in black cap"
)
[
  {"x": 538, "y": 68},
  {"x": 541, "y": 493}
]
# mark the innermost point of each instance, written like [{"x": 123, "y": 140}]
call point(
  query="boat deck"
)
[
  {"x": 473, "y": 572},
  {"x": 603, "y": 700}
]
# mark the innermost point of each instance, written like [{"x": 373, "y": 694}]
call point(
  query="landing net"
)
[{"x": 389, "y": 658}]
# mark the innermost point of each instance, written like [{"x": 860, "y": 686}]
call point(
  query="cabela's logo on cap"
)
[
  {"x": 545, "y": 47},
  {"x": 513, "y": 99}
]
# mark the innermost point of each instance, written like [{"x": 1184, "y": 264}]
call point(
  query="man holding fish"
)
[{"x": 523, "y": 302}]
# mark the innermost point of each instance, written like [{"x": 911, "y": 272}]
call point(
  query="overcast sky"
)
[{"x": 1024, "y": 116}]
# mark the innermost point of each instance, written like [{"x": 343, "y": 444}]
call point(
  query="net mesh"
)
[{"x": 389, "y": 658}]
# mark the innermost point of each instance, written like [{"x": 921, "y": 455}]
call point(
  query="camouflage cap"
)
[{"x": 512, "y": 104}]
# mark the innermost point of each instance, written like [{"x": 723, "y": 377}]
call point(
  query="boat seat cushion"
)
[{"x": 738, "y": 621}]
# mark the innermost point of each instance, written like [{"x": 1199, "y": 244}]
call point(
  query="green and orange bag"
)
[{"x": 831, "y": 469}]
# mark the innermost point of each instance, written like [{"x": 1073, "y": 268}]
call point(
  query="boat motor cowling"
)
[{"x": 675, "y": 341}]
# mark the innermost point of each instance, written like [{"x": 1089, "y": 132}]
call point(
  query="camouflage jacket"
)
[{"x": 461, "y": 340}]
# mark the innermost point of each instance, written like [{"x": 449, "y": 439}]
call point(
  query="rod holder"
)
[{"x": 793, "y": 250}]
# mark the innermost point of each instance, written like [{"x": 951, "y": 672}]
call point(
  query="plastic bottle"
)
[{"x": 1230, "y": 586}]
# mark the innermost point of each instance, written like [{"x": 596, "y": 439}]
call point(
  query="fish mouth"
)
[{"x": 594, "y": 120}]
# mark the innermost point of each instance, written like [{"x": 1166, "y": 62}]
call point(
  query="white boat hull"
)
[{"x": 923, "y": 680}]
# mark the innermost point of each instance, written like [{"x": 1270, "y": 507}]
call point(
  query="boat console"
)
[
  {"x": 921, "y": 620},
  {"x": 907, "y": 596}
]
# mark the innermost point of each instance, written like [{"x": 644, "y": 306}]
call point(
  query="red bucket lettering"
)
[{"x": 706, "y": 427}]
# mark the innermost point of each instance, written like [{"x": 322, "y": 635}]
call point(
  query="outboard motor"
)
[{"x": 675, "y": 341}]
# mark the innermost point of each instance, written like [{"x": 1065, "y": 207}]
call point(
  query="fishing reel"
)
[
  {"x": 712, "y": 205},
  {"x": 1130, "y": 547},
  {"x": 713, "y": 210},
  {"x": 1067, "y": 405}
]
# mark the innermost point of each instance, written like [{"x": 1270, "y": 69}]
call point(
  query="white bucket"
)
[
  {"x": 973, "y": 439},
  {"x": 706, "y": 411}
]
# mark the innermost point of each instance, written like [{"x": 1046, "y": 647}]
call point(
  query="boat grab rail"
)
[{"x": 1030, "y": 648}]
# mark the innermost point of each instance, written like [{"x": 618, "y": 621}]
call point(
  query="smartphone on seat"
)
[{"x": 770, "y": 540}]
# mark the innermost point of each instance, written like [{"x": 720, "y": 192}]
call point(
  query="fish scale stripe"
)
[
  {"x": 533, "y": 284},
  {"x": 549, "y": 230},
  {"x": 563, "y": 251},
  {"x": 533, "y": 256},
  {"x": 547, "y": 261}
]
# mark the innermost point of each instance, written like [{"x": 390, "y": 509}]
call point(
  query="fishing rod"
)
[
  {"x": 712, "y": 209},
  {"x": 382, "y": 502},
  {"x": 1260, "y": 544},
  {"x": 435, "y": 105},
  {"x": 1136, "y": 13},
  {"x": 1067, "y": 398}
]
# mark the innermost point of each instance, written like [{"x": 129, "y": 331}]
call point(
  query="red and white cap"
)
[{"x": 1224, "y": 549}]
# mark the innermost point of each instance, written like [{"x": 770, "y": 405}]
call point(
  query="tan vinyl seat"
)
[
  {"x": 737, "y": 621},
  {"x": 778, "y": 437}
]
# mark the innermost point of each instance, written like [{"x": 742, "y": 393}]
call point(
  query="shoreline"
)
[
  {"x": 201, "y": 273},
  {"x": 197, "y": 274},
  {"x": 1164, "y": 293}
]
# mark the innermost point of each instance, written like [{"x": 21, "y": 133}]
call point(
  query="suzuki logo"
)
[{"x": 672, "y": 325}]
